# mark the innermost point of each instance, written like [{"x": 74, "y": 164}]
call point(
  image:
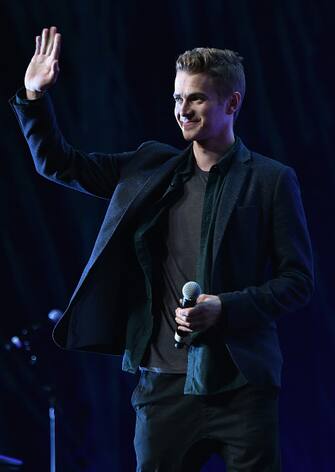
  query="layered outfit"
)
[{"x": 250, "y": 246}]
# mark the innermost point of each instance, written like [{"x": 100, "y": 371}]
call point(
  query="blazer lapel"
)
[
  {"x": 155, "y": 179},
  {"x": 123, "y": 206},
  {"x": 135, "y": 193},
  {"x": 233, "y": 186}
]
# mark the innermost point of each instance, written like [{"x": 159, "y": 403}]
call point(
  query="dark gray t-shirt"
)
[{"x": 179, "y": 229}]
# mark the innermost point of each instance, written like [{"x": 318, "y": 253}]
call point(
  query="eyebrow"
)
[{"x": 191, "y": 95}]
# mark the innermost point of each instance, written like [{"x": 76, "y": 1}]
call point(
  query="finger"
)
[
  {"x": 188, "y": 316},
  {"x": 37, "y": 45},
  {"x": 193, "y": 312},
  {"x": 182, "y": 322},
  {"x": 51, "y": 38},
  {"x": 186, "y": 330},
  {"x": 45, "y": 34},
  {"x": 182, "y": 311},
  {"x": 44, "y": 40},
  {"x": 193, "y": 325},
  {"x": 56, "y": 47}
]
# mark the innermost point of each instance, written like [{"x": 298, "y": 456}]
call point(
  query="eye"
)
[
  {"x": 198, "y": 99},
  {"x": 178, "y": 99}
]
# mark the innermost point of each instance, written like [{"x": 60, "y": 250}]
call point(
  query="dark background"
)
[{"x": 114, "y": 92}]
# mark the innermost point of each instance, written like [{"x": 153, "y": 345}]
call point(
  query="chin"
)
[{"x": 189, "y": 136}]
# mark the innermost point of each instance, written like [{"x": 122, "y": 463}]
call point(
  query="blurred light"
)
[
  {"x": 33, "y": 359},
  {"x": 16, "y": 341},
  {"x": 55, "y": 315}
]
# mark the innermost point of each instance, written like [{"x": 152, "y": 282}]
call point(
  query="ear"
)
[{"x": 233, "y": 103}]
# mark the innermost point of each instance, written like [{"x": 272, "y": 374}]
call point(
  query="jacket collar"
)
[{"x": 234, "y": 183}]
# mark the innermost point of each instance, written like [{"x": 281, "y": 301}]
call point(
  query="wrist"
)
[{"x": 33, "y": 95}]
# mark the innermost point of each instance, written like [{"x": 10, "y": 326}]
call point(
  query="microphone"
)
[{"x": 190, "y": 291}]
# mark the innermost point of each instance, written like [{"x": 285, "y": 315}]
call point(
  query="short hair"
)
[{"x": 223, "y": 65}]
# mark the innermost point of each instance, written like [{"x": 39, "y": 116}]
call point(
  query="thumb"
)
[{"x": 202, "y": 298}]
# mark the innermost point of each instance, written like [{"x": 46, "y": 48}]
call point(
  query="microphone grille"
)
[{"x": 191, "y": 290}]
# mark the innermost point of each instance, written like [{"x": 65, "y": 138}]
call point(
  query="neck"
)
[{"x": 208, "y": 154}]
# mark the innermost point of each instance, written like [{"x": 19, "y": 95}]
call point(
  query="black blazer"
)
[{"x": 262, "y": 260}]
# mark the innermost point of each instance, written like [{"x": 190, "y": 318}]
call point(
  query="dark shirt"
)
[{"x": 178, "y": 233}]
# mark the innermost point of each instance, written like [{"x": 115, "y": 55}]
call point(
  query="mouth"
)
[{"x": 189, "y": 124}]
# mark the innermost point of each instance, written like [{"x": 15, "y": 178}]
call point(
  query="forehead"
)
[{"x": 186, "y": 83}]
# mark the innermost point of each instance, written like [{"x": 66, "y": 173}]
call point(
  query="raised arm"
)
[{"x": 54, "y": 158}]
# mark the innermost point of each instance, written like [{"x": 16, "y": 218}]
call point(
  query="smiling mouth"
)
[{"x": 188, "y": 124}]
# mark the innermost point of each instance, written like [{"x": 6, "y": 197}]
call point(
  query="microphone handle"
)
[{"x": 178, "y": 337}]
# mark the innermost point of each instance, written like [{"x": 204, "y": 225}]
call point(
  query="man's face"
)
[{"x": 199, "y": 111}]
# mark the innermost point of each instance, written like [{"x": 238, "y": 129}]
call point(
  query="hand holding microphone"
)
[
  {"x": 198, "y": 312},
  {"x": 190, "y": 291}
]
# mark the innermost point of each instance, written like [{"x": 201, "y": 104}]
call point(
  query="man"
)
[{"x": 216, "y": 213}]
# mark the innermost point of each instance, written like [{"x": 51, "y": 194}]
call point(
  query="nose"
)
[{"x": 185, "y": 110}]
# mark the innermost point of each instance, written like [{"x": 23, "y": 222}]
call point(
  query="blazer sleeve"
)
[
  {"x": 92, "y": 173},
  {"x": 292, "y": 283}
]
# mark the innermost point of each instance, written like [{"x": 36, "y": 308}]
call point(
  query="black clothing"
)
[
  {"x": 255, "y": 255},
  {"x": 261, "y": 261},
  {"x": 178, "y": 433}
]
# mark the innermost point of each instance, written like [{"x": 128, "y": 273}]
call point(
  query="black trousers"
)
[{"x": 178, "y": 433}]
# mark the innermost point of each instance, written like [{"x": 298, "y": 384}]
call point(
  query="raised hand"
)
[{"x": 43, "y": 69}]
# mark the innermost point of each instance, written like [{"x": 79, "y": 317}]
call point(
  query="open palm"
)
[{"x": 43, "y": 69}]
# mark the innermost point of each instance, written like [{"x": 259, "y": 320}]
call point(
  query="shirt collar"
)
[
  {"x": 225, "y": 160},
  {"x": 186, "y": 168}
]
